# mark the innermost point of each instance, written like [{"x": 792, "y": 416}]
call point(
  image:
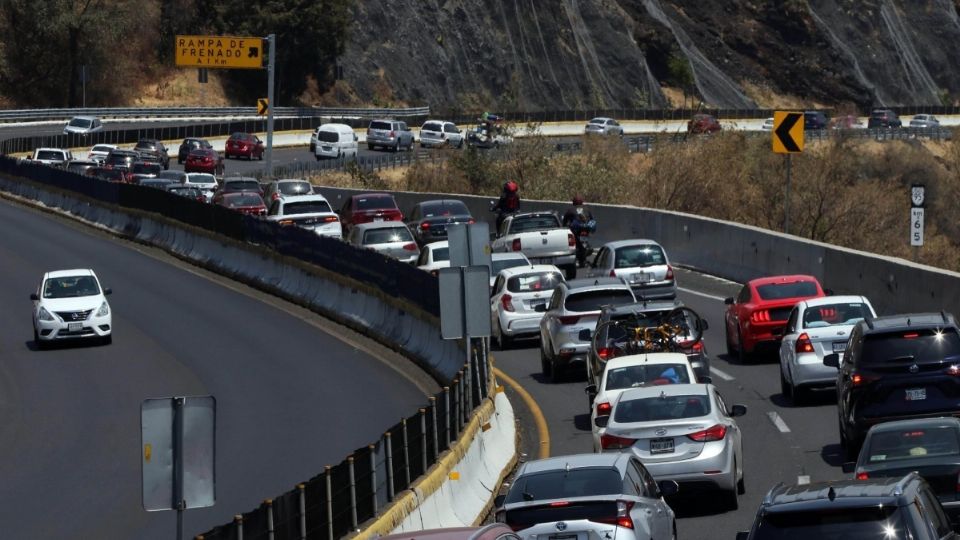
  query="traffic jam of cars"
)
[{"x": 659, "y": 426}]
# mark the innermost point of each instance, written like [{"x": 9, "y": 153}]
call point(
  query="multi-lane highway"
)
[{"x": 294, "y": 393}]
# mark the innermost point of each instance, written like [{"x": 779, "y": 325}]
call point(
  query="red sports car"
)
[
  {"x": 755, "y": 319},
  {"x": 245, "y": 202},
  {"x": 247, "y": 145},
  {"x": 204, "y": 160}
]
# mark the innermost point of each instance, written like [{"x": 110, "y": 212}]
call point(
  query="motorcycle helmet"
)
[
  {"x": 577, "y": 200},
  {"x": 510, "y": 186}
]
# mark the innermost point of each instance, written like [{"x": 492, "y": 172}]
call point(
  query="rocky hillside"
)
[{"x": 564, "y": 54}]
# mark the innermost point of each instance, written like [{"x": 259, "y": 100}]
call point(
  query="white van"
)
[{"x": 335, "y": 141}]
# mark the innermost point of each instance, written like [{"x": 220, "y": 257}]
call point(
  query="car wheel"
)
[
  {"x": 396, "y": 147},
  {"x": 785, "y": 388},
  {"x": 741, "y": 350},
  {"x": 732, "y": 499},
  {"x": 545, "y": 363},
  {"x": 848, "y": 449},
  {"x": 731, "y": 350},
  {"x": 570, "y": 271},
  {"x": 108, "y": 340}
]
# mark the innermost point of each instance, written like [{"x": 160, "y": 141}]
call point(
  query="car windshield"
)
[
  {"x": 328, "y": 136},
  {"x": 80, "y": 122},
  {"x": 446, "y": 208},
  {"x": 50, "y": 155},
  {"x": 534, "y": 223},
  {"x": 649, "y": 374},
  {"x": 242, "y": 185},
  {"x": 536, "y": 282},
  {"x": 662, "y": 407},
  {"x": 920, "y": 345},
  {"x": 441, "y": 254},
  {"x": 562, "y": 484},
  {"x": 911, "y": 443},
  {"x": 387, "y": 235},
  {"x": 780, "y": 291},
  {"x": 876, "y": 521},
  {"x": 639, "y": 256},
  {"x": 595, "y": 300},
  {"x": 374, "y": 203},
  {"x": 496, "y": 265},
  {"x": 146, "y": 168},
  {"x": 243, "y": 200},
  {"x": 844, "y": 313},
  {"x": 306, "y": 207},
  {"x": 70, "y": 286},
  {"x": 294, "y": 188}
]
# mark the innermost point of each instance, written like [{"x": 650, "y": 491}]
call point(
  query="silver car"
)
[
  {"x": 389, "y": 134},
  {"x": 642, "y": 263},
  {"x": 391, "y": 238},
  {"x": 681, "y": 432},
  {"x": 440, "y": 133},
  {"x": 573, "y": 309},
  {"x": 924, "y": 121},
  {"x": 603, "y": 126},
  {"x": 83, "y": 125},
  {"x": 816, "y": 328},
  {"x": 587, "y": 497}
]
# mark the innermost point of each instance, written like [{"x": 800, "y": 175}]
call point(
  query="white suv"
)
[
  {"x": 440, "y": 133},
  {"x": 71, "y": 304}
]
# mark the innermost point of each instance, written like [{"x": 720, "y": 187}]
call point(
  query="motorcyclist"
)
[
  {"x": 580, "y": 220},
  {"x": 509, "y": 202}
]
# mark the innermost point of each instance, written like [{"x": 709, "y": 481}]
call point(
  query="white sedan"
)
[
  {"x": 99, "y": 152},
  {"x": 434, "y": 256},
  {"x": 71, "y": 304},
  {"x": 517, "y": 292},
  {"x": 625, "y": 372},
  {"x": 816, "y": 328}
]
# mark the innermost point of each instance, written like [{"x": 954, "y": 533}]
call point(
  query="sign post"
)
[
  {"x": 917, "y": 202},
  {"x": 465, "y": 311},
  {"x": 271, "y": 69},
  {"x": 787, "y": 139}
]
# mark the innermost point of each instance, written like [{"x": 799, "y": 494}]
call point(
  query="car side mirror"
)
[
  {"x": 355, "y": 138},
  {"x": 743, "y": 535},
  {"x": 738, "y": 410},
  {"x": 498, "y": 500},
  {"x": 703, "y": 325},
  {"x": 849, "y": 467},
  {"x": 33, "y": 296},
  {"x": 107, "y": 290},
  {"x": 728, "y": 300},
  {"x": 590, "y": 390},
  {"x": 668, "y": 487},
  {"x": 777, "y": 332},
  {"x": 584, "y": 335},
  {"x": 540, "y": 308},
  {"x": 601, "y": 421},
  {"x": 832, "y": 360}
]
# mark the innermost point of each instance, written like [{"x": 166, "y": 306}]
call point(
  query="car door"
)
[
  {"x": 547, "y": 324},
  {"x": 414, "y": 221},
  {"x": 597, "y": 268},
  {"x": 498, "y": 288},
  {"x": 732, "y": 427},
  {"x": 734, "y": 312},
  {"x": 661, "y": 516},
  {"x": 345, "y": 213},
  {"x": 790, "y": 333}
]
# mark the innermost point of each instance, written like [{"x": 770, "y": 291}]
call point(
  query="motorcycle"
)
[{"x": 582, "y": 230}]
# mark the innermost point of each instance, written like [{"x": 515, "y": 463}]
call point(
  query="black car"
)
[
  {"x": 815, "y": 120},
  {"x": 428, "y": 220},
  {"x": 894, "y": 368},
  {"x": 190, "y": 144},
  {"x": 930, "y": 446},
  {"x": 153, "y": 150},
  {"x": 886, "y": 508},
  {"x": 121, "y": 159},
  {"x": 142, "y": 170},
  {"x": 883, "y": 119}
]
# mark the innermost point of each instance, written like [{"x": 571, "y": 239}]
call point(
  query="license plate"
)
[
  {"x": 640, "y": 278},
  {"x": 562, "y": 536},
  {"x": 839, "y": 346},
  {"x": 661, "y": 446},
  {"x": 74, "y": 327},
  {"x": 378, "y": 219},
  {"x": 533, "y": 305},
  {"x": 328, "y": 148},
  {"x": 916, "y": 394}
]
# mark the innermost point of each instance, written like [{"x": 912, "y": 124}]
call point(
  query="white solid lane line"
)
[
  {"x": 698, "y": 293},
  {"x": 722, "y": 374},
  {"x": 778, "y": 422}
]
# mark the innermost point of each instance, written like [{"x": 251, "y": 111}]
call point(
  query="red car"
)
[
  {"x": 369, "y": 207},
  {"x": 204, "y": 160},
  {"x": 247, "y": 145},
  {"x": 755, "y": 319},
  {"x": 703, "y": 123},
  {"x": 245, "y": 202}
]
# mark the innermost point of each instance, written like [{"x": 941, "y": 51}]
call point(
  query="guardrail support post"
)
[
  {"x": 302, "y": 489},
  {"x": 433, "y": 416},
  {"x": 326, "y": 471},
  {"x": 463, "y": 401},
  {"x": 353, "y": 494},
  {"x": 238, "y": 526},
  {"x": 406, "y": 454},
  {"x": 270, "y": 531},
  {"x": 446, "y": 414},
  {"x": 373, "y": 477},
  {"x": 388, "y": 440},
  {"x": 423, "y": 439}
]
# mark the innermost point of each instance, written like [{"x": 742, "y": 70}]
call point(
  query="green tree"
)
[{"x": 681, "y": 74}]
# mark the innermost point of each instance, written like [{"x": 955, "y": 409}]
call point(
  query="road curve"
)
[{"x": 291, "y": 398}]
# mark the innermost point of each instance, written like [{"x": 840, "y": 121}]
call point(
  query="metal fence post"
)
[
  {"x": 406, "y": 453},
  {"x": 326, "y": 471},
  {"x": 436, "y": 444},
  {"x": 388, "y": 440},
  {"x": 238, "y": 524},
  {"x": 423, "y": 438},
  {"x": 463, "y": 401},
  {"x": 270, "y": 531},
  {"x": 373, "y": 476},
  {"x": 302, "y": 489},
  {"x": 353, "y": 494},
  {"x": 446, "y": 413}
]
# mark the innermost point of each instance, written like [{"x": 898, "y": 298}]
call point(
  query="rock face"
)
[{"x": 599, "y": 54}]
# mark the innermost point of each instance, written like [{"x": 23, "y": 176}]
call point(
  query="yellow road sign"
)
[
  {"x": 219, "y": 52},
  {"x": 787, "y": 132},
  {"x": 263, "y": 106}
]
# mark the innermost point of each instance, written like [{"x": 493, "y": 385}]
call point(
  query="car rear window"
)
[
  {"x": 375, "y": 203},
  {"x": 873, "y": 521},
  {"x": 450, "y": 208},
  {"x": 536, "y": 282},
  {"x": 101, "y": 148},
  {"x": 920, "y": 345},
  {"x": 562, "y": 484},
  {"x": 639, "y": 256},
  {"x": 600, "y": 121},
  {"x": 244, "y": 200},
  {"x": 432, "y": 126},
  {"x": 387, "y": 235},
  {"x": 912, "y": 443},
  {"x": 662, "y": 407},
  {"x": 328, "y": 136},
  {"x": 450, "y": 128},
  {"x": 50, "y": 155},
  {"x": 534, "y": 223},
  {"x": 173, "y": 176},
  {"x": 295, "y": 188},
  {"x": 201, "y": 178},
  {"x": 305, "y": 207},
  {"x": 380, "y": 125},
  {"x": 651, "y": 374},
  {"x": 496, "y": 265},
  {"x": 780, "y": 291},
  {"x": 441, "y": 254},
  {"x": 595, "y": 300},
  {"x": 835, "y": 314},
  {"x": 146, "y": 168},
  {"x": 242, "y": 185}
]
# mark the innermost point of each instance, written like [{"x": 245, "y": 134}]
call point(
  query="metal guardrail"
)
[{"x": 26, "y": 115}]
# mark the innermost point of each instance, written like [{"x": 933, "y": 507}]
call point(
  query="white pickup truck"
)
[
  {"x": 541, "y": 237},
  {"x": 55, "y": 157}
]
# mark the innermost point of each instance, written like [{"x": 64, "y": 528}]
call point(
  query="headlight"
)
[
  {"x": 104, "y": 310},
  {"x": 45, "y": 315}
]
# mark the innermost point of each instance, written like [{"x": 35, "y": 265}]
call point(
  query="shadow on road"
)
[
  {"x": 832, "y": 454},
  {"x": 812, "y": 398},
  {"x": 582, "y": 422},
  {"x": 698, "y": 505}
]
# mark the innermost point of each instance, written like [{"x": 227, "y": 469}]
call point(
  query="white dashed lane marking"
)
[
  {"x": 698, "y": 293},
  {"x": 722, "y": 374},
  {"x": 778, "y": 422}
]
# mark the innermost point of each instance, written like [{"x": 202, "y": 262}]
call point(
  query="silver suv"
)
[
  {"x": 389, "y": 134},
  {"x": 585, "y": 496},
  {"x": 575, "y": 306}
]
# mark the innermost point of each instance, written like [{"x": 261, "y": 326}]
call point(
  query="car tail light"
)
[
  {"x": 698, "y": 347},
  {"x": 571, "y": 241},
  {"x": 471, "y": 221},
  {"x": 622, "y": 519},
  {"x": 410, "y": 247},
  {"x": 865, "y": 476},
  {"x": 669, "y": 273},
  {"x": 556, "y": 504},
  {"x": 569, "y": 319},
  {"x": 424, "y": 225},
  {"x": 612, "y": 442},
  {"x": 911, "y": 335},
  {"x": 606, "y": 353},
  {"x": 859, "y": 379},
  {"x": 613, "y": 273},
  {"x": 507, "y": 302},
  {"x": 516, "y": 244},
  {"x": 760, "y": 316},
  {"x": 331, "y": 219},
  {"x": 803, "y": 344},
  {"x": 603, "y": 409},
  {"x": 285, "y": 222},
  {"x": 714, "y": 433}
]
